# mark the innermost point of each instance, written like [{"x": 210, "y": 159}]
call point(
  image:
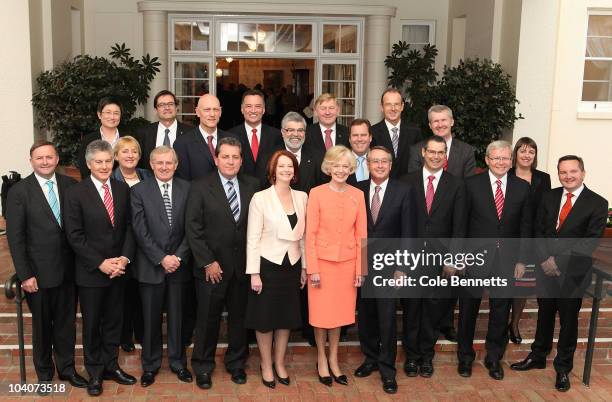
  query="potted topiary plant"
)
[{"x": 66, "y": 97}]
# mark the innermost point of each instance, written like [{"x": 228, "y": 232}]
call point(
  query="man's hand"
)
[
  {"x": 398, "y": 275},
  {"x": 448, "y": 271},
  {"x": 170, "y": 263},
  {"x": 550, "y": 267},
  {"x": 123, "y": 261},
  {"x": 111, "y": 267},
  {"x": 213, "y": 273},
  {"x": 303, "y": 278},
  {"x": 256, "y": 284},
  {"x": 519, "y": 270},
  {"x": 30, "y": 285}
]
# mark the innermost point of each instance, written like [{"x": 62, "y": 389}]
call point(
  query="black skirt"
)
[{"x": 278, "y": 304}]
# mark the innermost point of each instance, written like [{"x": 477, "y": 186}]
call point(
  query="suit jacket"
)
[
  {"x": 154, "y": 235},
  {"x": 461, "y": 161},
  {"x": 574, "y": 243},
  {"x": 310, "y": 171},
  {"x": 409, "y": 134},
  {"x": 37, "y": 242},
  {"x": 211, "y": 230},
  {"x": 270, "y": 139},
  {"x": 269, "y": 233},
  {"x": 91, "y": 234},
  {"x": 314, "y": 139},
  {"x": 81, "y": 155},
  {"x": 540, "y": 184},
  {"x": 140, "y": 172},
  {"x": 147, "y": 136},
  {"x": 195, "y": 160}
]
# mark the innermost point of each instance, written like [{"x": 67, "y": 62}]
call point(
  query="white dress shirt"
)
[
  {"x": 249, "y": 131},
  {"x": 236, "y": 187},
  {"x": 437, "y": 175},
  {"x": 390, "y": 126},
  {"x": 381, "y": 193},
  {"x": 43, "y": 185},
  {"x": 333, "y": 133},
  {"x": 206, "y": 135},
  {"x": 161, "y": 133},
  {"x": 98, "y": 184},
  {"x": 160, "y": 184},
  {"x": 576, "y": 193},
  {"x": 493, "y": 180}
]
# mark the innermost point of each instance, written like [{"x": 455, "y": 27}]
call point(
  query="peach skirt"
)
[{"x": 332, "y": 303}]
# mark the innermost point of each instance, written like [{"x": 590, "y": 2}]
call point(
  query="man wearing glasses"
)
[{"x": 163, "y": 132}]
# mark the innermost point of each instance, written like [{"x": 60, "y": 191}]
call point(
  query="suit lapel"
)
[
  {"x": 244, "y": 204},
  {"x": 177, "y": 199},
  {"x": 579, "y": 205},
  {"x": 422, "y": 204},
  {"x": 37, "y": 192},
  {"x": 218, "y": 191},
  {"x": 203, "y": 145},
  {"x": 509, "y": 196},
  {"x": 157, "y": 195},
  {"x": 247, "y": 152},
  {"x": 117, "y": 202},
  {"x": 404, "y": 142},
  {"x": 387, "y": 200},
  {"x": 96, "y": 199},
  {"x": 488, "y": 189},
  {"x": 439, "y": 193},
  {"x": 366, "y": 194}
]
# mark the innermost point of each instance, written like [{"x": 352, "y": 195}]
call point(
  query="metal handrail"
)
[
  {"x": 598, "y": 294},
  {"x": 12, "y": 290}
]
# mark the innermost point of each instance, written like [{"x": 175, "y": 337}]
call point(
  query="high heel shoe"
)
[
  {"x": 515, "y": 338},
  {"x": 327, "y": 380},
  {"x": 341, "y": 379},
  {"x": 284, "y": 381},
  {"x": 269, "y": 384}
]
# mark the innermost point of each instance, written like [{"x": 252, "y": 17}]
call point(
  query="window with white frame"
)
[
  {"x": 597, "y": 76},
  {"x": 419, "y": 33}
]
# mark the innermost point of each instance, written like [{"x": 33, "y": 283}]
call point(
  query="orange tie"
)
[{"x": 565, "y": 210}]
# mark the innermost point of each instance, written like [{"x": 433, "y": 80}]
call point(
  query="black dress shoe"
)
[
  {"x": 496, "y": 371},
  {"x": 147, "y": 378},
  {"x": 128, "y": 347},
  {"x": 282, "y": 380},
  {"x": 269, "y": 384},
  {"x": 120, "y": 377},
  {"x": 75, "y": 380},
  {"x": 238, "y": 376},
  {"x": 341, "y": 379},
  {"x": 464, "y": 369},
  {"x": 450, "y": 334},
  {"x": 514, "y": 338},
  {"x": 203, "y": 380},
  {"x": 426, "y": 370},
  {"x": 327, "y": 380},
  {"x": 182, "y": 374},
  {"x": 44, "y": 387},
  {"x": 528, "y": 364},
  {"x": 411, "y": 368},
  {"x": 94, "y": 386},
  {"x": 562, "y": 383},
  {"x": 390, "y": 385},
  {"x": 365, "y": 370}
]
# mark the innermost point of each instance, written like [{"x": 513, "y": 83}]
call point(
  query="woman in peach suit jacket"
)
[{"x": 335, "y": 227}]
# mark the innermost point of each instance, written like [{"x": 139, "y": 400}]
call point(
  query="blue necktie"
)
[
  {"x": 54, "y": 203},
  {"x": 360, "y": 174},
  {"x": 232, "y": 197}
]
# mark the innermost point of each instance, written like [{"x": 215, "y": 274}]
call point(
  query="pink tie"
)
[
  {"x": 328, "y": 140},
  {"x": 211, "y": 148},
  {"x": 375, "y": 207},
  {"x": 108, "y": 204},
  {"x": 429, "y": 196},
  {"x": 499, "y": 199},
  {"x": 254, "y": 144}
]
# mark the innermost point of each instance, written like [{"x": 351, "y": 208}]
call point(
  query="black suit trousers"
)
[
  {"x": 568, "y": 333},
  {"x": 378, "y": 334},
  {"x": 102, "y": 312},
  {"x": 132, "y": 328},
  {"x": 53, "y": 329},
  {"x": 421, "y": 322},
  {"x": 153, "y": 296},
  {"x": 232, "y": 294}
]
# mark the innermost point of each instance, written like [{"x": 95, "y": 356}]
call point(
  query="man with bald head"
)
[{"x": 196, "y": 149}]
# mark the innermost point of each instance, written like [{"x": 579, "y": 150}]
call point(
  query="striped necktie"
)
[
  {"x": 167, "y": 203},
  {"x": 499, "y": 199},
  {"x": 54, "y": 203},
  {"x": 395, "y": 140},
  {"x": 108, "y": 203},
  {"x": 166, "y": 137},
  {"x": 232, "y": 197}
]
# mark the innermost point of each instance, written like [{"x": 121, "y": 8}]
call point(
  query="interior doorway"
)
[{"x": 288, "y": 85}]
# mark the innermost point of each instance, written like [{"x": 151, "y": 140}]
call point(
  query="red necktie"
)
[
  {"x": 211, "y": 148},
  {"x": 108, "y": 203},
  {"x": 445, "y": 164},
  {"x": 499, "y": 199},
  {"x": 565, "y": 210},
  {"x": 254, "y": 144},
  {"x": 429, "y": 195},
  {"x": 328, "y": 140}
]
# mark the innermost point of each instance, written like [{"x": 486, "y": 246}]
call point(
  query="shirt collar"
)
[
  {"x": 575, "y": 193},
  {"x": 249, "y": 129},
  {"x": 437, "y": 175},
  {"x": 172, "y": 126},
  {"x": 98, "y": 183},
  {"x": 205, "y": 134},
  {"x": 390, "y": 125},
  {"x": 114, "y": 140},
  {"x": 323, "y": 128},
  {"x": 382, "y": 185},
  {"x": 43, "y": 182},
  {"x": 493, "y": 179},
  {"x": 224, "y": 180},
  {"x": 160, "y": 183}
]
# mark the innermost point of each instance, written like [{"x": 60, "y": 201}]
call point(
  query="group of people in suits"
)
[{"x": 269, "y": 225}]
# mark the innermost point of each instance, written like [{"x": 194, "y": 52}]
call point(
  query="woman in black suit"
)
[{"x": 524, "y": 163}]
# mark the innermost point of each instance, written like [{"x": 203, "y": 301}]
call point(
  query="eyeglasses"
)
[
  {"x": 431, "y": 152},
  {"x": 111, "y": 114},
  {"x": 500, "y": 159},
  {"x": 165, "y": 105},
  {"x": 294, "y": 130},
  {"x": 379, "y": 161}
]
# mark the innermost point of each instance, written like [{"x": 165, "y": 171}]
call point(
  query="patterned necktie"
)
[
  {"x": 429, "y": 195},
  {"x": 167, "y": 202},
  {"x": 254, "y": 144},
  {"x": 211, "y": 147},
  {"x": 108, "y": 203},
  {"x": 53, "y": 203},
  {"x": 166, "y": 137},
  {"x": 565, "y": 210},
  {"x": 395, "y": 140},
  {"x": 375, "y": 207},
  {"x": 232, "y": 197},
  {"x": 499, "y": 199},
  {"x": 328, "y": 140}
]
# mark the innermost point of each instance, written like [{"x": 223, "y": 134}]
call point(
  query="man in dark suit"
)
[
  {"x": 326, "y": 133},
  {"x": 216, "y": 222},
  {"x": 44, "y": 263},
  {"x": 196, "y": 149},
  {"x": 394, "y": 219},
  {"x": 498, "y": 211},
  {"x": 258, "y": 140},
  {"x": 98, "y": 228},
  {"x": 440, "y": 210},
  {"x": 360, "y": 138},
  {"x": 163, "y": 132},
  {"x": 394, "y": 133},
  {"x": 569, "y": 222},
  {"x": 162, "y": 263}
]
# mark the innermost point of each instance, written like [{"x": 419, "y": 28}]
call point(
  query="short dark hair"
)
[
  {"x": 359, "y": 122},
  {"x": 42, "y": 143},
  {"x": 252, "y": 92},
  {"x": 381, "y": 148},
  {"x": 435, "y": 138},
  {"x": 161, "y": 93},
  {"x": 232, "y": 141},
  {"x": 528, "y": 142},
  {"x": 274, "y": 161},
  {"x": 391, "y": 90},
  {"x": 108, "y": 100},
  {"x": 571, "y": 158}
]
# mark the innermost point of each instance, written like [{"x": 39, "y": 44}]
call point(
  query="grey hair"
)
[
  {"x": 163, "y": 149},
  {"x": 499, "y": 144},
  {"x": 439, "y": 109},
  {"x": 232, "y": 141},
  {"x": 293, "y": 117},
  {"x": 97, "y": 146}
]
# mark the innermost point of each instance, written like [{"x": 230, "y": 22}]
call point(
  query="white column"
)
[
  {"x": 375, "y": 73},
  {"x": 155, "y": 27}
]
